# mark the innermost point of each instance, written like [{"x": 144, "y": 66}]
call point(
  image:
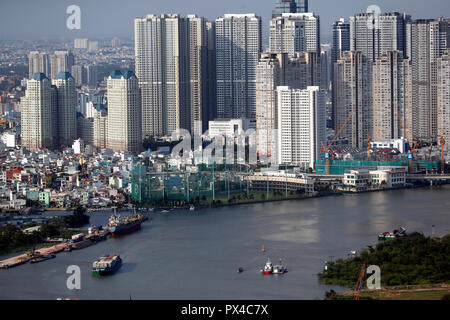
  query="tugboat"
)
[
  {"x": 41, "y": 258},
  {"x": 279, "y": 268},
  {"x": 106, "y": 265},
  {"x": 268, "y": 268}
]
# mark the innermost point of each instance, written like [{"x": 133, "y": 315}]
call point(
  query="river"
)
[{"x": 195, "y": 254}]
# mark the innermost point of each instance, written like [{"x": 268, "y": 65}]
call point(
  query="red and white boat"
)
[
  {"x": 268, "y": 268},
  {"x": 279, "y": 268}
]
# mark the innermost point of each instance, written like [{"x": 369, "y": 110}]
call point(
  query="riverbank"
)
[{"x": 418, "y": 292}]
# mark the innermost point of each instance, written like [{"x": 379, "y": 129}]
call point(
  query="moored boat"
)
[
  {"x": 106, "y": 265},
  {"x": 79, "y": 241},
  {"x": 41, "y": 258},
  {"x": 268, "y": 268},
  {"x": 392, "y": 235},
  {"x": 279, "y": 268},
  {"x": 118, "y": 225}
]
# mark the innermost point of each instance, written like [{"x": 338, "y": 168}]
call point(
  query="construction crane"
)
[
  {"x": 359, "y": 284},
  {"x": 327, "y": 149},
  {"x": 410, "y": 142},
  {"x": 442, "y": 155},
  {"x": 368, "y": 140}
]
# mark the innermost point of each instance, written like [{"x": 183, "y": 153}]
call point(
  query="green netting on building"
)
[
  {"x": 150, "y": 186},
  {"x": 340, "y": 166}
]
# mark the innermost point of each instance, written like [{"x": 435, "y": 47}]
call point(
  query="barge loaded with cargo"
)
[
  {"x": 106, "y": 265},
  {"x": 118, "y": 225}
]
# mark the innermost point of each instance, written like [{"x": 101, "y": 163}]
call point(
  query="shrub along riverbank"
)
[{"x": 412, "y": 259}]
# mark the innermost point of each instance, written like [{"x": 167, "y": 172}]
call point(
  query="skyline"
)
[{"x": 109, "y": 18}]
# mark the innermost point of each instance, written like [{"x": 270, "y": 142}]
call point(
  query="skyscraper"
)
[
  {"x": 443, "y": 70},
  {"x": 427, "y": 40},
  {"x": 268, "y": 78},
  {"x": 171, "y": 64},
  {"x": 37, "y": 114},
  {"x": 341, "y": 43},
  {"x": 61, "y": 61},
  {"x": 238, "y": 45},
  {"x": 295, "y": 32},
  {"x": 100, "y": 127},
  {"x": 353, "y": 91},
  {"x": 273, "y": 70},
  {"x": 290, "y": 6},
  {"x": 301, "y": 118},
  {"x": 341, "y": 39},
  {"x": 38, "y": 63},
  {"x": 391, "y": 96},
  {"x": 374, "y": 35},
  {"x": 198, "y": 74},
  {"x": 79, "y": 74},
  {"x": 124, "y": 131},
  {"x": 66, "y": 109}
]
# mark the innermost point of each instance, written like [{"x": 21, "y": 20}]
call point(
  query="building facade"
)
[
  {"x": 443, "y": 67},
  {"x": 301, "y": 118},
  {"x": 38, "y": 110},
  {"x": 66, "y": 109},
  {"x": 295, "y": 32},
  {"x": 352, "y": 96},
  {"x": 238, "y": 45},
  {"x": 391, "y": 81},
  {"x": 124, "y": 130},
  {"x": 172, "y": 67},
  {"x": 374, "y": 34}
]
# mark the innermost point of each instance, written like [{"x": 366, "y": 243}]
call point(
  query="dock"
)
[{"x": 24, "y": 258}]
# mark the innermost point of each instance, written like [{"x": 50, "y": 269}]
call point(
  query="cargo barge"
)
[{"x": 106, "y": 265}]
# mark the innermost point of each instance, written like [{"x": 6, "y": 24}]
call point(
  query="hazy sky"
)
[{"x": 46, "y": 19}]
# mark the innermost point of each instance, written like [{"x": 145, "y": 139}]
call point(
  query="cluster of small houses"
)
[{"x": 63, "y": 180}]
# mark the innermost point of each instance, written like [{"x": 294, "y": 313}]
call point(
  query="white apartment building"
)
[
  {"x": 301, "y": 117},
  {"x": 124, "y": 131}
]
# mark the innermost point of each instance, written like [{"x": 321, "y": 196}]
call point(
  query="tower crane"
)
[
  {"x": 413, "y": 148},
  {"x": 327, "y": 149},
  {"x": 359, "y": 284},
  {"x": 368, "y": 140},
  {"x": 442, "y": 155}
]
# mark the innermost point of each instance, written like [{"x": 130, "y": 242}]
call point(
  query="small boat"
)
[
  {"x": 263, "y": 249},
  {"x": 392, "y": 235},
  {"x": 240, "y": 270},
  {"x": 192, "y": 208},
  {"x": 268, "y": 268},
  {"x": 106, "y": 265},
  {"x": 279, "y": 268},
  {"x": 42, "y": 258}
]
